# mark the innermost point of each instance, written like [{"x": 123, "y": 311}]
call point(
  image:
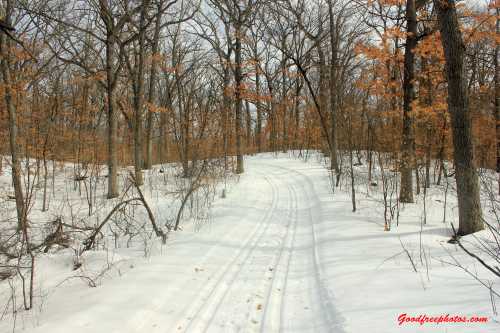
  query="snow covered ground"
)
[{"x": 281, "y": 253}]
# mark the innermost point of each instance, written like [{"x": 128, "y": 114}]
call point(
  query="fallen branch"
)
[
  {"x": 194, "y": 186},
  {"x": 90, "y": 241},
  {"x": 158, "y": 231},
  {"x": 91, "y": 283},
  {"x": 495, "y": 270}
]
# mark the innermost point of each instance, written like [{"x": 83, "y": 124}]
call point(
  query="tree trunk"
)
[
  {"x": 370, "y": 145},
  {"x": 298, "y": 88},
  {"x": 351, "y": 169},
  {"x": 284, "y": 105},
  {"x": 334, "y": 165},
  {"x": 238, "y": 78},
  {"x": 430, "y": 132},
  {"x": 408, "y": 144},
  {"x": 323, "y": 98},
  {"x": 258, "y": 125},
  {"x": 185, "y": 144},
  {"x": 139, "y": 96},
  {"x": 226, "y": 105},
  {"x": 5, "y": 50},
  {"x": 271, "y": 120},
  {"x": 110, "y": 91},
  {"x": 428, "y": 157},
  {"x": 112, "y": 142},
  {"x": 248, "y": 126},
  {"x": 163, "y": 144},
  {"x": 469, "y": 205},
  {"x": 417, "y": 178},
  {"x": 163, "y": 148},
  {"x": 45, "y": 181},
  {"x": 151, "y": 94},
  {"x": 497, "y": 92}
]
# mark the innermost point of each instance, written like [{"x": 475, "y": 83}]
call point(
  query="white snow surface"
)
[{"x": 281, "y": 253}]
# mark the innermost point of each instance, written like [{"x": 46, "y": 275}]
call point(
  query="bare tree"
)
[
  {"x": 408, "y": 142},
  {"x": 335, "y": 22},
  {"x": 6, "y": 63},
  {"x": 113, "y": 64},
  {"x": 239, "y": 15},
  {"x": 177, "y": 13},
  {"x": 469, "y": 204}
]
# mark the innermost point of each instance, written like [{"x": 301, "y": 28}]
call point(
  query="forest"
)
[{"x": 133, "y": 128}]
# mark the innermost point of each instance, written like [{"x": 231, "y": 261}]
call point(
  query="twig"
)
[
  {"x": 481, "y": 261},
  {"x": 408, "y": 254}
]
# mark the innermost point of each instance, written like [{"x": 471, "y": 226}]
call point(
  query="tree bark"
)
[
  {"x": 284, "y": 108},
  {"x": 151, "y": 94},
  {"x": 249, "y": 125},
  {"x": 497, "y": 92},
  {"x": 469, "y": 205},
  {"x": 163, "y": 148},
  {"x": 5, "y": 46},
  {"x": 408, "y": 144},
  {"x": 106, "y": 17},
  {"x": 139, "y": 96},
  {"x": 238, "y": 78},
  {"x": 184, "y": 124},
  {"x": 430, "y": 132},
  {"x": 323, "y": 96},
  {"x": 298, "y": 88},
  {"x": 163, "y": 144},
  {"x": 258, "y": 124},
  {"x": 226, "y": 106},
  {"x": 334, "y": 165}
]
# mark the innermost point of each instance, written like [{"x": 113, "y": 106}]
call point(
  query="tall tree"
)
[
  {"x": 469, "y": 205},
  {"x": 238, "y": 14},
  {"x": 113, "y": 64},
  {"x": 408, "y": 138},
  {"x": 178, "y": 12},
  {"x": 6, "y": 65},
  {"x": 334, "y": 24},
  {"x": 136, "y": 70},
  {"x": 238, "y": 82},
  {"x": 153, "y": 71}
]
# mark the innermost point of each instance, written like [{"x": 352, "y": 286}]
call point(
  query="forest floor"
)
[{"x": 279, "y": 254}]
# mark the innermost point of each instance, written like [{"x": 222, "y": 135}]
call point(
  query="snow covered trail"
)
[
  {"x": 256, "y": 268},
  {"x": 280, "y": 253}
]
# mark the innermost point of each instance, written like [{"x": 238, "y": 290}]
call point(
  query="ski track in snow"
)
[
  {"x": 202, "y": 317},
  {"x": 207, "y": 293},
  {"x": 258, "y": 269},
  {"x": 280, "y": 305}
]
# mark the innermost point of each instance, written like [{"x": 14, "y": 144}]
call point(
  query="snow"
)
[{"x": 280, "y": 253}]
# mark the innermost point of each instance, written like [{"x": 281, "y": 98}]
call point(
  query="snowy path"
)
[
  {"x": 256, "y": 268},
  {"x": 279, "y": 254},
  {"x": 271, "y": 281}
]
